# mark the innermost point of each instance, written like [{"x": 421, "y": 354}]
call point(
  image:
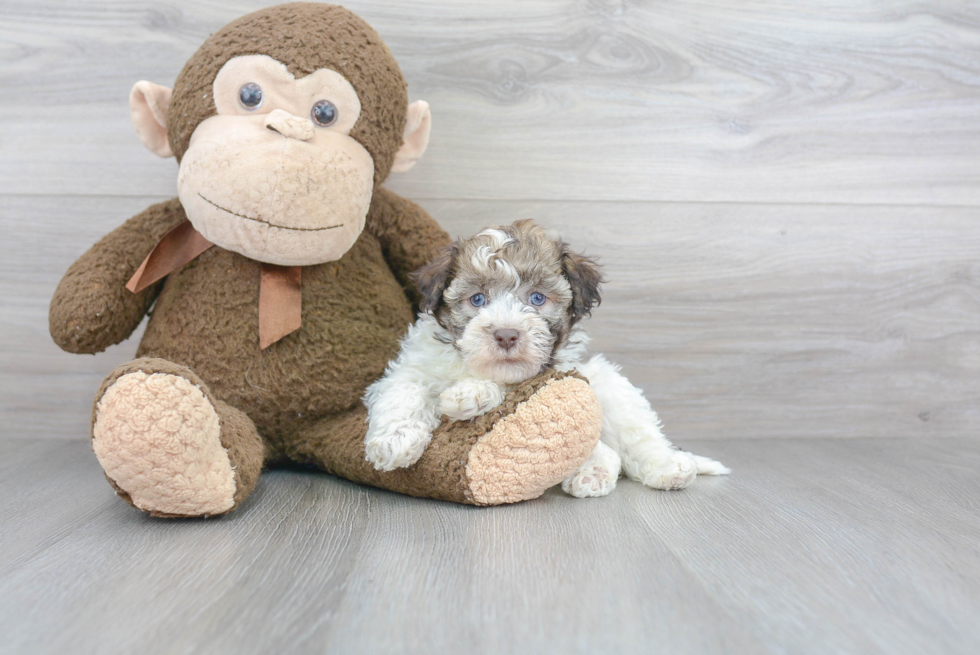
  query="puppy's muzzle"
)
[{"x": 506, "y": 338}]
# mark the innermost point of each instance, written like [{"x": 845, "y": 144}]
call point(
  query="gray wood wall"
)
[{"x": 784, "y": 194}]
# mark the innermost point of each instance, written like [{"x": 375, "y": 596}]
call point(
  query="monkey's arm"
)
[
  {"x": 409, "y": 237},
  {"x": 92, "y": 309}
]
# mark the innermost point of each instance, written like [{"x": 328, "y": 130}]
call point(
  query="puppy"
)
[{"x": 498, "y": 309}]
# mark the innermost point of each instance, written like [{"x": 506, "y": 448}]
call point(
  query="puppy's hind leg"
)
[
  {"x": 597, "y": 477},
  {"x": 632, "y": 428}
]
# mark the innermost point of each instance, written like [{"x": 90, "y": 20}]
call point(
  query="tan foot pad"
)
[
  {"x": 544, "y": 441},
  {"x": 159, "y": 439}
]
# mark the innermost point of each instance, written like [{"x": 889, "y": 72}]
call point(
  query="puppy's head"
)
[{"x": 508, "y": 298}]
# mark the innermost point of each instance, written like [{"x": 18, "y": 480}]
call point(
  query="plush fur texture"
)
[
  {"x": 536, "y": 446},
  {"x": 223, "y": 404},
  {"x": 142, "y": 462},
  {"x": 502, "y": 307},
  {"x": 191, "y": 473},
  {"x": 92, "y": 309},
  {"x": 267, "y": 182},
  {"x": 306, "y": 37}
]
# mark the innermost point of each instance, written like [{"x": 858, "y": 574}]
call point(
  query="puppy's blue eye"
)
[
  {"x": 324, "y": 113},
  {"x": 478, "y": 300},
  {"x": 537, "y": 299},
  {"x": 250, "y": 95}
]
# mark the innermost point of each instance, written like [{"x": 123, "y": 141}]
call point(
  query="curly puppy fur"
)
[{"x": 498, "y": 309}]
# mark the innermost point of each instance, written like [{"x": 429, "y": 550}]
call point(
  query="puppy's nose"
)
[{"x": 506, "y": 338}]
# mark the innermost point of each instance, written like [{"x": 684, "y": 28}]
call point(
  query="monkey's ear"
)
[
  {"x": 418, "y": 126},
  {"x": 585, "y": 279},
  {"x": 148, "y": 105},
  {"x": 433, "y": 278}
]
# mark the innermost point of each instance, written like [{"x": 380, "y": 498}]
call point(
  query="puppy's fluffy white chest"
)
[{"x": 450, "y": 387}]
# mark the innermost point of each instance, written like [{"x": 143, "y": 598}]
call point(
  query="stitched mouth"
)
[{"x": 278, "y": 227}]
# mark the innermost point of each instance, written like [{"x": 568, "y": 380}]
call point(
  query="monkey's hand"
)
[
  {"x": 92, "y": 309},
  {"x": 469, "y": 398}
]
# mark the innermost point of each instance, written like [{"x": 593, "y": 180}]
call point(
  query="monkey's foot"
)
[
  {"x": 157, "y": 435},
  {"x": 545, "y": 439}
]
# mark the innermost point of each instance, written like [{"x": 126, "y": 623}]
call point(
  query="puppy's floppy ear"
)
[
  {"x": 433, "y": 278},
  {"x": 585, "y": 279}
]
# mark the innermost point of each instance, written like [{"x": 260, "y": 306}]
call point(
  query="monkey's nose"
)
[
  {"x": 506, "y": 338},
  {"x": 291, "y": 127}
]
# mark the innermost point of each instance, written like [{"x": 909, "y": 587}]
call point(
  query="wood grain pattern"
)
[
  {"x": 816, "y": 546},
  {"x": 740, "y": 319},
  {"x": 870, "y": 101},
  {"x": 737, "y": 320}
]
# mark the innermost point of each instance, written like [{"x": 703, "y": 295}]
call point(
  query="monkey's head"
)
[{"x": 283, "y": 123}]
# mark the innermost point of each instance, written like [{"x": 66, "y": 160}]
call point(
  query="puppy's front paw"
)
[
  {"x": 470, "y": 398},
  {"x": 396, "y": 447},
  {"x": 674, "y": 471}
]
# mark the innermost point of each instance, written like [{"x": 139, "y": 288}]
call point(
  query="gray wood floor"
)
[{"x": 811, "y": 546}]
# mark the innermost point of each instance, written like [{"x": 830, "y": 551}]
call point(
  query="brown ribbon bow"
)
[{"x": 280, "y": 289}]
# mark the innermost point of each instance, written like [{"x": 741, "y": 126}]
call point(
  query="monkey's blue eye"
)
[
  {"x": 324, "y": 113},
  {"x": 537, "y": 299},
  {"x": 250, "y": 95},
  {"x": 478, "y": 300}
]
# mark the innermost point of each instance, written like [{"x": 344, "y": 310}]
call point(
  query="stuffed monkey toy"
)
[{"x": 277, "y": 284}]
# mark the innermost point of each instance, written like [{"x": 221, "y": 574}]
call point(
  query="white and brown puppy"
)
[{"x": 498, "y": 309}]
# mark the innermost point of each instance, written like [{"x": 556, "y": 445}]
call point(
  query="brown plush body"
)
[
  {"x": 354, "y": 312},
  {"x": 202, "y": 378}
]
